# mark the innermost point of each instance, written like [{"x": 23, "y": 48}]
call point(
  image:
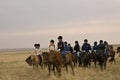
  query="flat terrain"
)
[{"x": 14, "y": 67}]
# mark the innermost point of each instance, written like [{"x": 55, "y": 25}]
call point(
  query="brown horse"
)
[
  {"x": 45, "y": 58},
  {"x": 74, "y": 59},
  {"x": 86, "y": 59},
  {"x": 112, "y": 54},
  {"x": 57, "y": 60},
  {"x": 34, "y": 60},
  {"x": 118, "y": 51}
]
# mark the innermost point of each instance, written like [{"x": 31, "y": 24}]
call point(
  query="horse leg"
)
[
  {"x": 105, "y": 63},
  {"x": 101, "y": 66},
  {"x": 59, "y": 70},
  {"x": 89, "y": 63},
  {"x": 37, "y": 66},
  {"x": 66, "y": 68},
  {"x": 33, "y": 66},
  {"x": 80, "y": 62},
  {"x": 84, "y": 64},
  {"x": 41, "y": 65},
  {"x": 95, "y": 64},
  {"x": 54, "y": 69},
  {"x": 114, "y": 60},
  {"x": 74, "y": 64},
  {"x": 49, "y": 66},
  {"x": 110, "y": 60},
  {"x": 72, "y": 69}
]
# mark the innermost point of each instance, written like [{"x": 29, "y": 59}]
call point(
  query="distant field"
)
[{"x": 14, "y": 67}]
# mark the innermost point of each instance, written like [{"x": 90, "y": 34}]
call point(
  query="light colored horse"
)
[{"x": 36, "y": 61}]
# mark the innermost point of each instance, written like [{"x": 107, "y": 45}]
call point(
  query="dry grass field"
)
[{"x": 14, "y": 67}]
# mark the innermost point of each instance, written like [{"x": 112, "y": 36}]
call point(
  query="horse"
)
[
  {"x": 112, "y": 55},
  {"x": 85, "y": 58},
  {"x": 74, "y": 59},
  {"x": 118, "y": 50},
  {"x": 45, "y": 58},
  {"x": 56, "y": 59},
  {"x": 34, "y": 60},
  {"x": 80, "y": 58},
  {"x": 102, "y": 59},
  {"x": 94, "y": 57}
]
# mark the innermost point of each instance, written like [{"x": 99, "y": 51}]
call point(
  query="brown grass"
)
[{"x": 14, "y": 67}]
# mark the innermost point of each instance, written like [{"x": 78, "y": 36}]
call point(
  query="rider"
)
[
  {"x": 70, "y": 48},
  {"x": 106, "y": 48},
  {"x": 95, "y": 47},
  {"x": 77, "y": 48},
  {"x": 61, "y": 46},
  {"x": 86, "y": 47},
  {"x": 52, "y": 45},
  {"x": 37, "y": 52},
  {"x": 101, "y": 48},
  {"x": 67, "y": 49}
]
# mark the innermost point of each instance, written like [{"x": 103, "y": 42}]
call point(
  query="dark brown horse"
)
[
  {"x": 80, "y": 59},
  {"x": 57, "y": 60},
  {"x": 118, "y": 50},
  {"x": 85, "y": 59},
  {"x": 94, "y": 57},
  {"x": 102, "y": 59}
]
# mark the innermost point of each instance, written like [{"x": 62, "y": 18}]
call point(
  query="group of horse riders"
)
[
  {"x": 66, "y": 55},
  {"x": 102, "y": 47},
  {"x": 64, "y": 48}
]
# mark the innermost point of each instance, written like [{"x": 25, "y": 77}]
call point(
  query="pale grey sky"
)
[{"x": 25, "y": 22}]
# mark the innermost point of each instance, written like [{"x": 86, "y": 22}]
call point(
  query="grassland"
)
[{"x": 14, "y": 67}]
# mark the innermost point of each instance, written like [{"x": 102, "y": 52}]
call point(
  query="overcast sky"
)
[{"x": 25, "y": 22}]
